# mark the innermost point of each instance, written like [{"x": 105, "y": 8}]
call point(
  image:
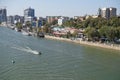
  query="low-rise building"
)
[
  {"x": 18, "y": 18},
  {"x": 82, "y": 18},
  {"x": 60, "y": 21},
  {"x": 50, "y": 19},
  {"x": 94, "y": 16},
  {"x": 10, "y": 20}
]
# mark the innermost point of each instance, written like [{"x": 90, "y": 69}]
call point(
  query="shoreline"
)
[{"x": 95, "y": 44}]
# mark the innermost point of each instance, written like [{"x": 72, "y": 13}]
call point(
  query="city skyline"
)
[{"x": 58, "y": 8}]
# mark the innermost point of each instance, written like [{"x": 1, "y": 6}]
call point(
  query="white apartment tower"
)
[{"x": 107, "y": 12}]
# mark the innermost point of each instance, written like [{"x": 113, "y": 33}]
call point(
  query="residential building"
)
[
  {"x": 41, "y": 18},
  {"x": 3, "y": 15},
  {"x": 42, "y": 21},
  {"x": 87, "y": 16},
  {"x": 82, "y": 18},
  {"x": 62, "y": 19},
  {"x": 99, "y": 12},
  {"x": 10, "y": 20},
  {"x": 94, "y": 16},
  {"x": 107, "y": 12},
  {"x": 38, "y": 22},
  {"x": 113, "y": 12},
  {"x": 30, "y": 19},
  {"x": 50, "y": 19},
  {"x": 65, "y": 18},
  {"x": 22, "y": 19},
  {"x": 18, "y": 18},
  {"x": 29, "y": 14}
]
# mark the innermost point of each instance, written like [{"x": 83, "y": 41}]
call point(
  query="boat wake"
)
[{"x": 27, "y": 49}]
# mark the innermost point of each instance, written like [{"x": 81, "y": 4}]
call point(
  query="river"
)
[{"x": 59, "y": 60}]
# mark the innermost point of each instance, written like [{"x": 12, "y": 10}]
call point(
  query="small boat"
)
[
  {"x": 26, "y": 33},
  {"x": 18, "y": 30},
  {"x": 41, "y": 35},
  {"x": 13, "y": 61},
  {"x": 29, "y": 50},
  {"x": 39, "y": 53}
]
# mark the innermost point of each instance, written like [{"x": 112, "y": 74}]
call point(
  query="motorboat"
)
[
  {"x": 29, "y": 50},
  {"x": 39, "y": 53},
  {"x": 18, "y": 30},
  {"x": 13, "y": 61},
  {"x": 25, "y": 32}
]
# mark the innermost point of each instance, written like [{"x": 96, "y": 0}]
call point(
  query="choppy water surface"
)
[{"x": 59, "y": 60}]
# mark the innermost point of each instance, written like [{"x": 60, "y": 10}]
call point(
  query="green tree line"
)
[{"x": 97, "y": 28}]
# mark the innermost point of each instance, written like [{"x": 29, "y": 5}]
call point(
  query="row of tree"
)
[
  {"x": 93, "y": 22},
  {"x": 106, "y": 32},
  {"x": 98, "y": 28}
]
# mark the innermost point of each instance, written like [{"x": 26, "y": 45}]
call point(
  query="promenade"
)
[{"x": 96, "y": 44}]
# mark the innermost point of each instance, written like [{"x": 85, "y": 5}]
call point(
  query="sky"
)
[{"x": 69, "y": 8}]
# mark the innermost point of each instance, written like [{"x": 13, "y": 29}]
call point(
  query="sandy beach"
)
[{"x": 96, "y": 44}]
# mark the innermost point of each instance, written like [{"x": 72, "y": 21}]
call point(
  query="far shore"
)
[
  {"x": 78, "y": 41},
  {"x": 96, "y": 44}
]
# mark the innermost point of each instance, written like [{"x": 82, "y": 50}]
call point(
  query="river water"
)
[{"x": 59, "y": 60}]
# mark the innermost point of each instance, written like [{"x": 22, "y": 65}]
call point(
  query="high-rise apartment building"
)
[
  {"x": 113, "y": 12},
  {"x": 107, "y": 12},
  {"x": 3, "y": 15},
  {"x": 29, "y": 14}
]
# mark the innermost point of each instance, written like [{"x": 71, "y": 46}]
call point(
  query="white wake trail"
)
[{"x": 27, "y": 49}]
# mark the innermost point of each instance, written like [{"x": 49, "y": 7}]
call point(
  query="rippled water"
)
[{"x": 59, "y": 60}]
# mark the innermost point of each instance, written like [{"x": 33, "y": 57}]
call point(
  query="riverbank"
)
[
  {"x": 78, "y": 41},
  {"x": 96, "y": 44}
]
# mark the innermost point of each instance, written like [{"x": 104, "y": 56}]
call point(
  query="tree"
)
[
  {"x": 19, "y": 25},
  {"x": 44, "y": 22},
  {"x": 28, "y": 24},
  {"x": 68, "y": 34},
  {"x": 118, "y": 32},
  {"x": 104, "y": 31},
  {"x": 75, "y": 33},
  {"x": 54, "y": 22},
  {"x": 92, "y": 33},
  {"x": 114, "y": 21},
  {"x": 45, "y": 29}
]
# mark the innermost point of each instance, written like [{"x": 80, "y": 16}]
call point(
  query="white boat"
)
[
  {"x": 12, "y": 27},
  {"x": 26, "y": 33},
  {"x": 18, "y": 30},
  {"x": 27, "y": 49},
  {"x": 13, "y": 61}
]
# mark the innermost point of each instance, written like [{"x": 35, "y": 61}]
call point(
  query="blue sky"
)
[{"x": 58, "y": 7}]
